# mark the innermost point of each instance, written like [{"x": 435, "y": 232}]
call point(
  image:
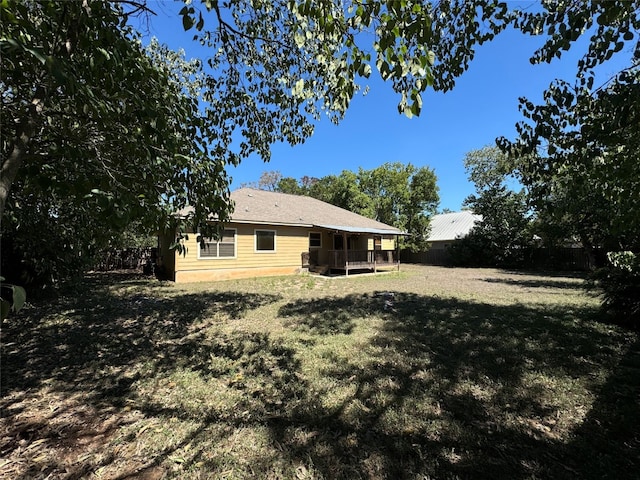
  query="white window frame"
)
[
  {"x": 315, "y": 246},
  {"x": 255, "y": 240},
  {"x": 235, "y": 247}
]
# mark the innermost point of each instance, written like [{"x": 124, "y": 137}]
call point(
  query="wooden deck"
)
[{"x": 363, "y": 259}]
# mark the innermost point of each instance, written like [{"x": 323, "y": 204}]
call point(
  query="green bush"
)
[{"x": 620, "y": 285}]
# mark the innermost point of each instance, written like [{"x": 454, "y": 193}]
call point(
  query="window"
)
[
  {"x": 265, "y": 240},
  {"x": 377, "y": 242},
  {"x": 315, "y": 240},
  {"x": 225, "y": 247}
]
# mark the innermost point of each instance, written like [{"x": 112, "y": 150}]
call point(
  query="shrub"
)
[{"x": 620, "y": 285}]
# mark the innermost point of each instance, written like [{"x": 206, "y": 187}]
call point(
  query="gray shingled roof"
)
[
  {"x": 261, "y": 206},
  {"x": 449, "y": 226}
]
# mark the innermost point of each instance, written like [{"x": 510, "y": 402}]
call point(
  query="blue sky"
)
[{"x": 482, "y": 106}]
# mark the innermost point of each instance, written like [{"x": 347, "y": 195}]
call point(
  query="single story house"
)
[
  {"x": 446, "y": 228},
  {"x": 272, "y": 233}
]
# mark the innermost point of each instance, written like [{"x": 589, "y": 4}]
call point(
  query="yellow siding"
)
[
  {"x": 290, "y": 243},
  {"x": 388, "y": 243}
]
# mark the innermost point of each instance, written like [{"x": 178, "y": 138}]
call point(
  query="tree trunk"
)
[{"x": 24, "y": 134}]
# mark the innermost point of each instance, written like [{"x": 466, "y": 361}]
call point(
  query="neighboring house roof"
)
[
  {"x": 450, "y": 226},
  {"x": 265, "y": 207}
]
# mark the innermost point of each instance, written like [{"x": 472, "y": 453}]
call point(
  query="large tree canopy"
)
[
  {"x": 273, "y": 67},
  {"x": 578, "y": 152},
  {"x": 404, "y": 196},
  {"x": 91, "y": 119},
  {"x": 97, "y": 131}
]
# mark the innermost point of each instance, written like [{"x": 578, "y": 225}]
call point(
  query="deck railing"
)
[{"x": 362, "y": 258}]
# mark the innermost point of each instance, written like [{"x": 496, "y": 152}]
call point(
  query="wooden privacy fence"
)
[
  {"x": 566, "y": 258},
  {"x": 558, "y": 258},
  {"x": 438, "y": 256},
  {"x": 125, "y": 259}
]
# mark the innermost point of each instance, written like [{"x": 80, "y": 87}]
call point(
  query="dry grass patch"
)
[{"x": 424, "y": 373}]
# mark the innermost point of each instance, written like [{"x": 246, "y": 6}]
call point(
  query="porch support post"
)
[
  {"x": 398, "y": 250},
  {"x": 375, "y": 266},
  {"x": 346, "y": 255}
]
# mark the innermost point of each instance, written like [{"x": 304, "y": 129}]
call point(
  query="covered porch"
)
[{"x": 351, "y": 249}]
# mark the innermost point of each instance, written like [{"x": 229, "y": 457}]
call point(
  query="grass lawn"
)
[{"x": 429, "y": 373}]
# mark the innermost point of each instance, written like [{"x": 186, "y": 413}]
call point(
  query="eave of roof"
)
[{"x": 374, "y": 231}]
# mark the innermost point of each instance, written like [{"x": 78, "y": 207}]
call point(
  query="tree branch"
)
[
  {"x": 136, "y": 7},
  {"x": 227, "y": 26},
  {"x": 24, "y": 134}
]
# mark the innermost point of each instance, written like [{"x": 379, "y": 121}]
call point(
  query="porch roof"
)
[{"x": 373, "y": 231}]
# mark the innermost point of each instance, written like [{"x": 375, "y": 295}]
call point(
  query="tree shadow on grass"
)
[
  {"x": 332, "y": 316},
  {"x": 260, "y": 374},
  {"x": 454, "y": 389},
  {"x": 561, "y": 285},
  {"x": 607, "y": 444},
  {"x": 85, "y": 352},
  {"x": 575, "y": 274},
  {"x": 445, "y": 388},
  {"x": 99, "y": 329}
]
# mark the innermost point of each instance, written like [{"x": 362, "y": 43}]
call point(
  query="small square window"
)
[
  {"x": 315, "y": 240},
  {"x": 265, "y": 240}
]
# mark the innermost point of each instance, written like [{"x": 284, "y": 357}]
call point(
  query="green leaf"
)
[
  {"x": 187, "y": 22},
  {"x": 408, "y": 112},
  {"x": 104, "y": 53},
  {"x": 19, "y": 297},
  {"x": 431, "y": 57},
  {"x": 416, "y": 107}
]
